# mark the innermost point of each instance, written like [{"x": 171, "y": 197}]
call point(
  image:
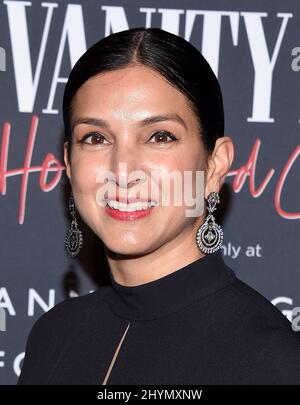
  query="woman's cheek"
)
[{"x": 83, "y": 173}]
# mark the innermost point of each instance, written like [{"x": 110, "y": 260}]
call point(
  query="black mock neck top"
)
[
  {"x": 170, "y": 293},
  {"x": 197, "y": 325}
]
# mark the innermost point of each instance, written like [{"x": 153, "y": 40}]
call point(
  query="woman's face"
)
[{"x": 127, "y": 143}]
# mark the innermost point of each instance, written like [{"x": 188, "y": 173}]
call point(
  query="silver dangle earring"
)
[
  {"x": 73, "y": 238},
  {"x": 209, "y": 236}
]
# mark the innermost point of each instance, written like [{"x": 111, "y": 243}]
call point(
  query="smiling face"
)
[{"x": 114, "y": 130}]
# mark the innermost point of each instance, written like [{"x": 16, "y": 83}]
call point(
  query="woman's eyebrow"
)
[
  {"x": 99, "y": 122},
  {"x": 165, "y": 117}
]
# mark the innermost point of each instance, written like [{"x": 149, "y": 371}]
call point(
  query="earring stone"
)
[
  {"x": 209, "y": 237},
  {"x": 73, "y": 238}
]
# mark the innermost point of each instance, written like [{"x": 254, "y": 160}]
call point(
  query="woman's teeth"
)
[{"x": 136, "y": 206}]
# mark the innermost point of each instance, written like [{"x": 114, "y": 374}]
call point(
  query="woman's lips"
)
[
  {"x": 128, "y": 215},
  {"x": 127, "y": 200}
]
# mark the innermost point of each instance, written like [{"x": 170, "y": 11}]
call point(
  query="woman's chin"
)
[{"x": 127, "y": 249}]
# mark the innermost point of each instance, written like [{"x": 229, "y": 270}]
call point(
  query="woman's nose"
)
[{"x": 126, "y": 166}]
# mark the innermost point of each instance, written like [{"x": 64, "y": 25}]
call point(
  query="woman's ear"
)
[
  {"x": 219, "y": 163},
  {"x": 66, "y": 160}
]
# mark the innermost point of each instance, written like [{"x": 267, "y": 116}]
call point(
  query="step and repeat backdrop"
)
[{"x": 253, "y": 48}]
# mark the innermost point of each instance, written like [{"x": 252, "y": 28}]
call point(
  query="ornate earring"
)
[
  {"x": 73, "y": 238},
  {"x": 209, "y": 236}
]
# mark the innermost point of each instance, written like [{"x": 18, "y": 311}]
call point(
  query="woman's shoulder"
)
[
  {"x": 248, "y": 331},
  {"x": 256, "y": 305},
  {"x": 257, "y": 320},
  {"x": 243, "y": 312},
  {"x": 67, "y": 313},
  {"x": 274, "y": 345}
]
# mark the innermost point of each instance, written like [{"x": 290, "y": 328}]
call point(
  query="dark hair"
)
[{"x": 173, "y": 57}]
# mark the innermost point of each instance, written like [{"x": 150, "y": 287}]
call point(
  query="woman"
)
[{"x": 139, "y": 102}]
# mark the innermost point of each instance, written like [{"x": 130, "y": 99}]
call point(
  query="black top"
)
[{"x": 197, "y": 325}]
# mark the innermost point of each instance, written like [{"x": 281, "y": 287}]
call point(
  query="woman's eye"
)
[
  {"x": 162, "y": 137},
  {"x": 93, "y": 138}
]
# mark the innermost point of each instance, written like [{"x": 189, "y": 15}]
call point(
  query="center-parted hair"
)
[{"x": 177, "y": 60}]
